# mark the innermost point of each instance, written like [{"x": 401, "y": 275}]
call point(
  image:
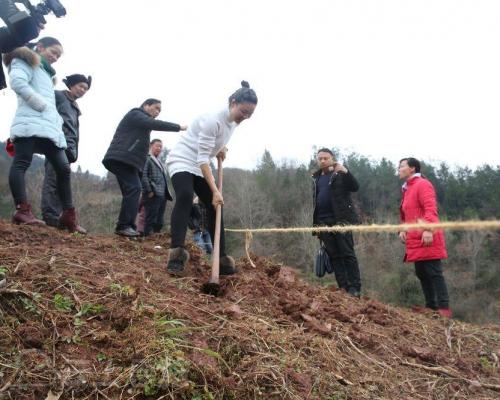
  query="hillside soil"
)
[{"x": 98, "y": 317}]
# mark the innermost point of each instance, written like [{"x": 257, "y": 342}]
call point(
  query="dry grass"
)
[{"x": 98, "y": 318}]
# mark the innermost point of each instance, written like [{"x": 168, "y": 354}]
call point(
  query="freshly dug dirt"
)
[{"x": 98, "y": 317}]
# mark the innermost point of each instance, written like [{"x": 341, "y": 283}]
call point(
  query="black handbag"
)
[{"x": 323, "y": 263}]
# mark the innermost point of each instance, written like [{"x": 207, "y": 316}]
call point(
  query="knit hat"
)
[{"x": 72, "y": 80}]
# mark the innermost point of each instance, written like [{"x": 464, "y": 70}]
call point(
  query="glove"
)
[{"x": 9, "y": 148}]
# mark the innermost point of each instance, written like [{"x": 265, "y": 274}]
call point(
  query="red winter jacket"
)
[{"x": 418, "y": 204}]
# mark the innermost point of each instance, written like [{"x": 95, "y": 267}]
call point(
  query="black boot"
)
[
  {"x": 127, "y": 232},
  {"x": 354, "y": 292},
  {"x": 227, "y": 266}
]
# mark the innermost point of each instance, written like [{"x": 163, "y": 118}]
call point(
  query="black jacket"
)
[
  {"x": 341, "y": 186},
  {"x": 195, "y": 218},
  {"x": 130, "y": 144},
  {"x": 70, "y": 112},
  {"x": 198, "y": 218},
  {"x": 154, "y": 179}
]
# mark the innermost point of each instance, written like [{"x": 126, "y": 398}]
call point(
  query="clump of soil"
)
[{"x": 98, "y": 317}]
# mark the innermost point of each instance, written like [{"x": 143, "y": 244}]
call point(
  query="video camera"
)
[{"x": 24, "y": 26}]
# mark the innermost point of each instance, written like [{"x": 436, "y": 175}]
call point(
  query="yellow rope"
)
[
  {"x": 456, "y": 226},
  {"x": 374, "y": 228},
  {"x": 248, "y": 242}
]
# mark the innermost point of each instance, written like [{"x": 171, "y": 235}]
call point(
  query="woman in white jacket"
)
[
  {"x": 189, "y": 167},
  {"x": 37, "y": 127}
]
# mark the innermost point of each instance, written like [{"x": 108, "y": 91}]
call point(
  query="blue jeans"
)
[{"x": 203, "y": 240}]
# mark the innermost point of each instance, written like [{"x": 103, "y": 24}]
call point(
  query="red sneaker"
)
[{"x": 445, "y": 312}]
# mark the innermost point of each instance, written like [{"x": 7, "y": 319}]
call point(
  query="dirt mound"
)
[{"x": 98, "y": 317}]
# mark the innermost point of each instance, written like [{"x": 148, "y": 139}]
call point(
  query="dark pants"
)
[
  {"x": 25, "y": 148},
  {"x": 430, "y": 274},
  {"x": 340, "y": 249},
  {"x": 185, "y": 185},
  {"x": 155, "y": 211},
  {"x": 129, "y": 180},
  {"x": 51, "y": 204}
]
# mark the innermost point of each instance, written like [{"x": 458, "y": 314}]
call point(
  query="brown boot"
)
[
  {"x": 23, "y": 215},
  {"x": 67, "y": 220},
  {"x": 177, "y": 260}
]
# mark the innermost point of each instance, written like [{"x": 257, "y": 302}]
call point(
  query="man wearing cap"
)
[{"x": 68, "y": 109}]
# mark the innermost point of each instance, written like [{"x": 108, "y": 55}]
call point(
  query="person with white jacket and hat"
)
[{"x": 37, "y": 127}]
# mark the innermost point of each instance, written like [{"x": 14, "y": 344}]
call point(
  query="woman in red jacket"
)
[{"x": 425, "y": 248}]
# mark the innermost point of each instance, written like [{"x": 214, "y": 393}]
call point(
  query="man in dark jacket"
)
[
  {"x": 126, "y": 157},
  {"x": 154, "y": 189},
  {"x": 333, "y": 184},
  {"x": 68, "y": 109}
]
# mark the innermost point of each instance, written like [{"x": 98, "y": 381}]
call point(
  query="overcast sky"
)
[{"x": 383, "y": 78}]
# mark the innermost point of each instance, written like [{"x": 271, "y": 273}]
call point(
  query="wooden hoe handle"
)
[{"x": 218, "y": 216}]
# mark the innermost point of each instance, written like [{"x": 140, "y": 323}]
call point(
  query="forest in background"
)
[{"x": 278, "y": 194}]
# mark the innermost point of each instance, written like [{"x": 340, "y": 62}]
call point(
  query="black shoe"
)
[
  {"x": 54, "y": 222},
  {"x": 127, "y": 232},
  {"x": 177, "y": 259},
  {"x": 227, "y": 266},
  {"x": 354, "y": 292}
]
